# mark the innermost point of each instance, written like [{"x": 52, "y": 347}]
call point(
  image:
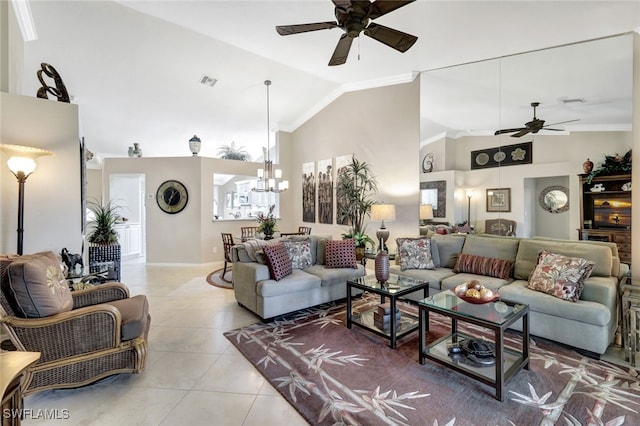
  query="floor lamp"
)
[
  {"x": 382, "y": 212},
  {"x": 469, "y": 195},
  {"x": 22, "y": 164}
]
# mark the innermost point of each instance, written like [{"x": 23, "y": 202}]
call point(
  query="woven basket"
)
[{"x": 105, "y": 257}]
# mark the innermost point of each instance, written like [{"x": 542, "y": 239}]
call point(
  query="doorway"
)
[{"x": 128, "y": 192}]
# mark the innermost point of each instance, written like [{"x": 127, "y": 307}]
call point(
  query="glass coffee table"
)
[
  {"x": 450, "y": 349},
  {"x": 395, "y": 288}
]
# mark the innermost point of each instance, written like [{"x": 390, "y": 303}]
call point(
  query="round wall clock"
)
[{"x": 172, "y": 196}]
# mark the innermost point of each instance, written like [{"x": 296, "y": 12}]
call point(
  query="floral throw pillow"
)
[
  {"x": 278, "y": 260},
  {"x": 299, "y": 253},
  {"x": 560, "y": 276},
  {"x": 415, "y": 253},
  {"x": 341, "y": 254}
]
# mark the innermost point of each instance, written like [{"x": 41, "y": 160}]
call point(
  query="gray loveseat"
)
[
  {"x": 589, "y": 323},
  {"x": 257, "y": 291}
]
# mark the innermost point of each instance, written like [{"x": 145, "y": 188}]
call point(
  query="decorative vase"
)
[
  {"x": 382, "y": 266},
  {"x": 137, "y": 152},
  {"x": 194, "y": 145},
  {"x": 130, "y": 152},
  {"x": 587, "y": 166}
]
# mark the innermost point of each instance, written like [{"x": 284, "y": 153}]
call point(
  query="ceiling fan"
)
[
  {"x": 533, "y": 126},
  {"x": 354, "y": 17}
]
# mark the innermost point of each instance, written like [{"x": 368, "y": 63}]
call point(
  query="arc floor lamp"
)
[{"x": 22, "y": 163}]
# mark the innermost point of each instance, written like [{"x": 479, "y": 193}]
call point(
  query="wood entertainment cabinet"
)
[{"x": 606, "y": 214}]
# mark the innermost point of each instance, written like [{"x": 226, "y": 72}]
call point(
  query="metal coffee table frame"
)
[
  {"x": 365, "y": 319},
  {"x": 508, "y": 361}
]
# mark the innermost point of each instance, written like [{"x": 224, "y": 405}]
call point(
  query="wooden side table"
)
[
  {"x": 630, "y": 312},
  {"x": 13, "y": 365}
]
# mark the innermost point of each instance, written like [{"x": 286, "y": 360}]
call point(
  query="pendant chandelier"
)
[{"x": 269, "y": 180}]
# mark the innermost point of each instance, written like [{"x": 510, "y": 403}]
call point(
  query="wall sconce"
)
[
  {"x": 22, "y": 164},
  {"x": 382, "y": 212},
  {"x": 469, "y": 195}
]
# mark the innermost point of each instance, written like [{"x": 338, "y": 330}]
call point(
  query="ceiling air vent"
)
[
  {"x": 572, "y": 101},
  {"x": 208, "y": 81}
]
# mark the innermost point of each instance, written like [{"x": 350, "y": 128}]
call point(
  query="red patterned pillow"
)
[
  {"x": 278, "y": 260},
  {"x": 480, "y": 265},
  {"x": 341, "y": 254},
  {"x": 560, "y": 276}
]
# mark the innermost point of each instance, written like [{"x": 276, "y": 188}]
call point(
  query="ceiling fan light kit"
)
[{"x": 354, "y": 17}]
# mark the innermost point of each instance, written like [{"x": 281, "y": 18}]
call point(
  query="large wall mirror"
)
[
  {"x": 233, "y": 198},
  {"x": 586, "y": 87}
]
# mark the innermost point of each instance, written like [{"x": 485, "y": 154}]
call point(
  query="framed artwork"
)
[
  {"x": 435, "y": 193},
  {"x": 341, "y": 162},
  {"x": 499, "y": 200},
  {"x": 508, "y": 155},
  {"x": 325, "y": 191},
  {"x": 309, "y": 192}
]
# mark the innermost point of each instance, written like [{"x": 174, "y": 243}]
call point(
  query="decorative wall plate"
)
[
  {"x": 172, "y": 196},
  {"x": 508, "y": 155}
]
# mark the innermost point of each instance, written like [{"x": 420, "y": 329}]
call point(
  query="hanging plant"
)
[{"x": 613, "y": 165}]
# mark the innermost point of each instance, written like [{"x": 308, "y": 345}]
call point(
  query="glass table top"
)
[
  {"x": 394, "y": 285},
  {"x": 497, "y": 312}
]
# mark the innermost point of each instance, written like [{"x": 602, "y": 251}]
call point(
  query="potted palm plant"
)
[
  {"x": 104, "y": 250},
  {"x": 356, "y": 184}
]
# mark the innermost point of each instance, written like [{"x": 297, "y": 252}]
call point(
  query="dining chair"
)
[
  {"x": 227, "y": 241},
  {"x": 248, "y": 232},
  {"x": 306, "y": 230}
]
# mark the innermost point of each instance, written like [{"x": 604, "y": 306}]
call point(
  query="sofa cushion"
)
[
  {"x": 134, "y": 313},
  {"x": 560, "y": 276},
  {"x": 414, "y": 253},
  {"x": 38, "y": 286},
  {"x": 498, "y": 247},
  {"x": 527, "y": 257},
  {"x": 433, "y": 276},
  {"x": 341, "y": 254},
  {"x": 299, "y": 253},
  {"x": 297, "y": 281},
  {"x": 582, "y": 311},
  {"x": 448, "y": 246},
  {"x": 278, "y": 260},
  {"x": 481, "y": 265},
  {"x": 332, "y": 276}
]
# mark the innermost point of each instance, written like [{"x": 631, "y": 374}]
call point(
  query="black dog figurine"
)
[{"x": 71, "y": 260}]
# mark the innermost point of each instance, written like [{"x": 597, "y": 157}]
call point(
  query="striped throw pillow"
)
[{"x": 480, "y": 265}]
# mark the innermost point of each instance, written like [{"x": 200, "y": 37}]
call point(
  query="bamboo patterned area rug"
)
[{"x": 333, "y": 375}]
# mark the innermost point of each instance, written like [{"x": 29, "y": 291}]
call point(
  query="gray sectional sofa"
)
[
  {"x": 589, "y": 323},
  {"x": 257, "y": 291}
]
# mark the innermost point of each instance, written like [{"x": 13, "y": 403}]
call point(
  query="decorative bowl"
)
[{"x": 462, "y": 289}]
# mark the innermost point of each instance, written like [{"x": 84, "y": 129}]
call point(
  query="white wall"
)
[
  {"x": 52, "y": 212},
  {"x": 381, "y": 127}
]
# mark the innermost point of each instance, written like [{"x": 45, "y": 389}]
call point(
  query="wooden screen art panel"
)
[
  {"x": 309, "y": 192},
  {"x": 341, "y": 162},
  {"x": 325, "y": 191}
]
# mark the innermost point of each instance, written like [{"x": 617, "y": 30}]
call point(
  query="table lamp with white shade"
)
[
  {"x": 426, "y": 212},
  {"x": 380, "y": 213}
]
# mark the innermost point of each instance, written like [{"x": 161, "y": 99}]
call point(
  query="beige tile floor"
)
[{"x": 194, "y": 376}]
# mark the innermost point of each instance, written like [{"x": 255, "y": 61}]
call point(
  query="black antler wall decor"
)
[{"x": 60, "y": 91}]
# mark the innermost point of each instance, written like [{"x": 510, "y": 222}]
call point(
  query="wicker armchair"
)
[{"x": 105, "y": 333}]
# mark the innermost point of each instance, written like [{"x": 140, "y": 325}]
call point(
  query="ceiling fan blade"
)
[
  {"x": 560, "y": 122},
  {"x": 341, "y": 52},
  {"x": 382, "y": 7},
  {"x": 523, "y": 132},
  {"x": 500, "y": 132},
  {"x": 392, "y": 38},
  {"x": 284, "y": 30}
]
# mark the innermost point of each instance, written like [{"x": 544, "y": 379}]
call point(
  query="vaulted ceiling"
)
[{"x": 134, "y": 67}]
